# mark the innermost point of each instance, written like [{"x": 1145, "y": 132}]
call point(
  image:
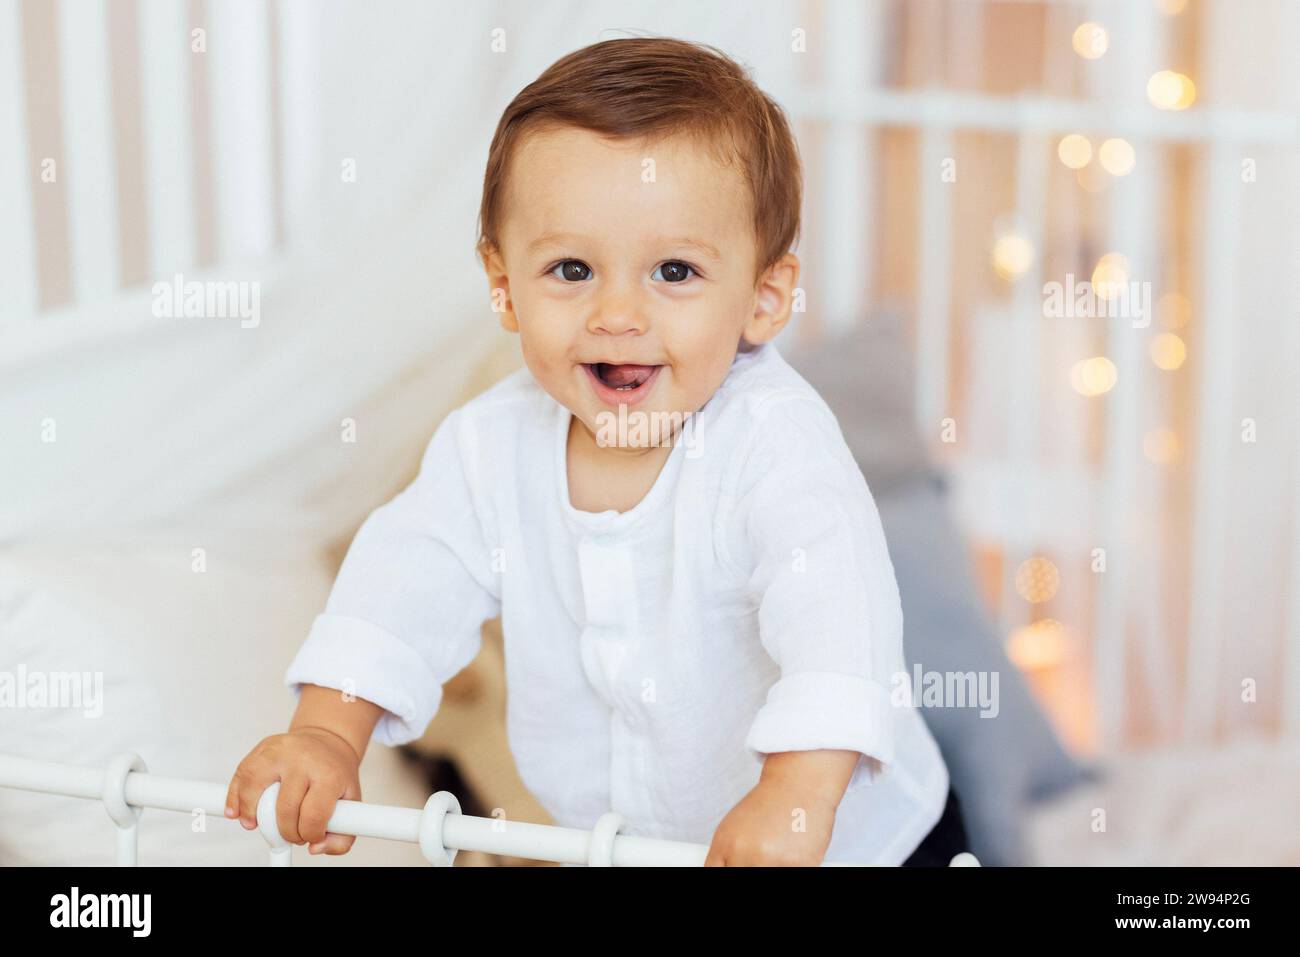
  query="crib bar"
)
[
  {"x": 17, "y": 261},
  {"x": 127, "y": 846},
  {"x": 1215, "y": 433},
  {"x": 47, "y": 777},
  {"x": 1130, "y": 213},
  {"x": 241, "y": 89},
  {"x": 849, "y": 160},
  {"x": 990, "y": 113},
  {"x": 165, "y": 64},
  {"x": 934, "y": 283},
  {"x": 89, "y": 163},
  {"x": 300, "y": 83},
  {"x": 541, "y": 842},
  {"x": 1022, "y": 490}
]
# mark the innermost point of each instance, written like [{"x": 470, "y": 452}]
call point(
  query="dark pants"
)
[{"x": 945, "y": 841}]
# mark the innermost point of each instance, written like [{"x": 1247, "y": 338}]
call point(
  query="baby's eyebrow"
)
[
  {"x": 699, "y": 244},
  {"x": 553, "y": 238},
  {"x": 550, "y": 239}
]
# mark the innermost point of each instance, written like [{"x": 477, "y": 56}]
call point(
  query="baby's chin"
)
[{"x": 634, "y": 429}]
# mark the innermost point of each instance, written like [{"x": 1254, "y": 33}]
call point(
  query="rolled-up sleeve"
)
[
  {"x": 820, "y": 575},
  {"x": 405, "y": 612}
]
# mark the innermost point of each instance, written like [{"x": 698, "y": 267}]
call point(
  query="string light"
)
[
  {"x": 1040, "y": 644},
  {"x": 1110, "y": 274},
  {"x": 1090, "y": 41},
  {"x": 1117, "y": 157},
  {"x": 1037, "y": 579},
  {"x": 1092, "y": 377},
  {"x": 1168, "y": 351},
  {"x": 1013, "y": 254},
  {"x": 1168, "y": 90},
  {"x": 1074, "y": 151}
]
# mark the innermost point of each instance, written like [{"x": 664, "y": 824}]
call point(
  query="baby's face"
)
[{"x": 629, "y": 272}]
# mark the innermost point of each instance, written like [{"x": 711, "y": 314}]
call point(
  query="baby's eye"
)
[
  {"x": 675, "y": 271},
  {"x": 572, "y": 270}
]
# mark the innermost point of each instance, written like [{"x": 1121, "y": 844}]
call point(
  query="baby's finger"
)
[
  {"x": 341, "y": 843},
  {"x": 335, "y": 843},
  {"x": 232, "y": 796},
  {"x": 253, "y": 780},
  {"x": 315, "y": 813},
  {"x": 288, "y": 804}
]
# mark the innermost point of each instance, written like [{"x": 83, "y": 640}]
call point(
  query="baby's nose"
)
[{"x": 617, "y": 319}]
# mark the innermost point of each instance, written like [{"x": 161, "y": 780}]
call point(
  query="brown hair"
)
[{"x": 653, "y": 88}]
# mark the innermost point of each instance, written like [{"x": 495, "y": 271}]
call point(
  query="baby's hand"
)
[
  {"x": 766, "y": 829},
  {"x": 315, "y": 767}
]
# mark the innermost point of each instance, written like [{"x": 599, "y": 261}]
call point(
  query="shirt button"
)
[{"x": 633, "y": 718}]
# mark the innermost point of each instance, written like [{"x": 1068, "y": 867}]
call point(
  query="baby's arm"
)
[
  {"x": 805, "y": 535},
  {"x": 787, "y": 818},
  {"x": 402, "y": 618},
  {"x": 317, "y": 762}
]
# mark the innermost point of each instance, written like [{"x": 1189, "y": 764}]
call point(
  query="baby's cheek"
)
[
  {"x": 709, "y": 373},
  {"x": 549, "y": 373},
  {"x": 539, "y": 352},
  {"x": 689, "y": 398}
]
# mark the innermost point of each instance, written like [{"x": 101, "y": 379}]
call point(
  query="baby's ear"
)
[
  {"x": 499, "y": 284},
  {"x": 773, "y": 301}
]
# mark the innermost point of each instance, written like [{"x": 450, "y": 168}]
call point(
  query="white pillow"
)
[{"x": 191, "y": 667}]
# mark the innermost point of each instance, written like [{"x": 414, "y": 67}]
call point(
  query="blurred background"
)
[{"x": 1097, "y": 503}]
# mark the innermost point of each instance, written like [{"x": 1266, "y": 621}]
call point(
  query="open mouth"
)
[{"x": 621, "y": 382}]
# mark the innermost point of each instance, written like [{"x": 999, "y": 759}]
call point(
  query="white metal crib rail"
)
[{"x": 126, "y": 788}]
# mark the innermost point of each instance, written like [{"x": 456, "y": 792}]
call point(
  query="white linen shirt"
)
[{"x": 747, "y": 605}]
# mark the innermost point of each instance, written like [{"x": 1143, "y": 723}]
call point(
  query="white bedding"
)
[
  {"x": 191, "y": 666},
  {"x": 1234, "y": 806},
  {"x": 176, "y": 435}
]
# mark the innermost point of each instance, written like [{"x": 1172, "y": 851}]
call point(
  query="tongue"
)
[{"x": 621, "y": 375}]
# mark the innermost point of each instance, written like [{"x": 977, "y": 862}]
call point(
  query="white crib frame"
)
[{"x": 440, "y": 829}]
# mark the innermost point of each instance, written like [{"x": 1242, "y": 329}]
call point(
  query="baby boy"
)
[{"x": 699, "y": 610}]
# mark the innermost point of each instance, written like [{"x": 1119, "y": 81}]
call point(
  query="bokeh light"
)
[
  {"x": 1037, "y": 579},
  {"x": 1110, "y": 273},
  {"x": 1095, "y": 376},
  {"x": 1040, "y": 644},
  {"x": 1168, "y": 90},
  {"x": 1074, "y": 151},
  {"x": 1168, "y": 351},
  {"x": 1117, "y": 157},
  {"x": 1091, "y": 41},
  {"x": 1013, "y": 254}
]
